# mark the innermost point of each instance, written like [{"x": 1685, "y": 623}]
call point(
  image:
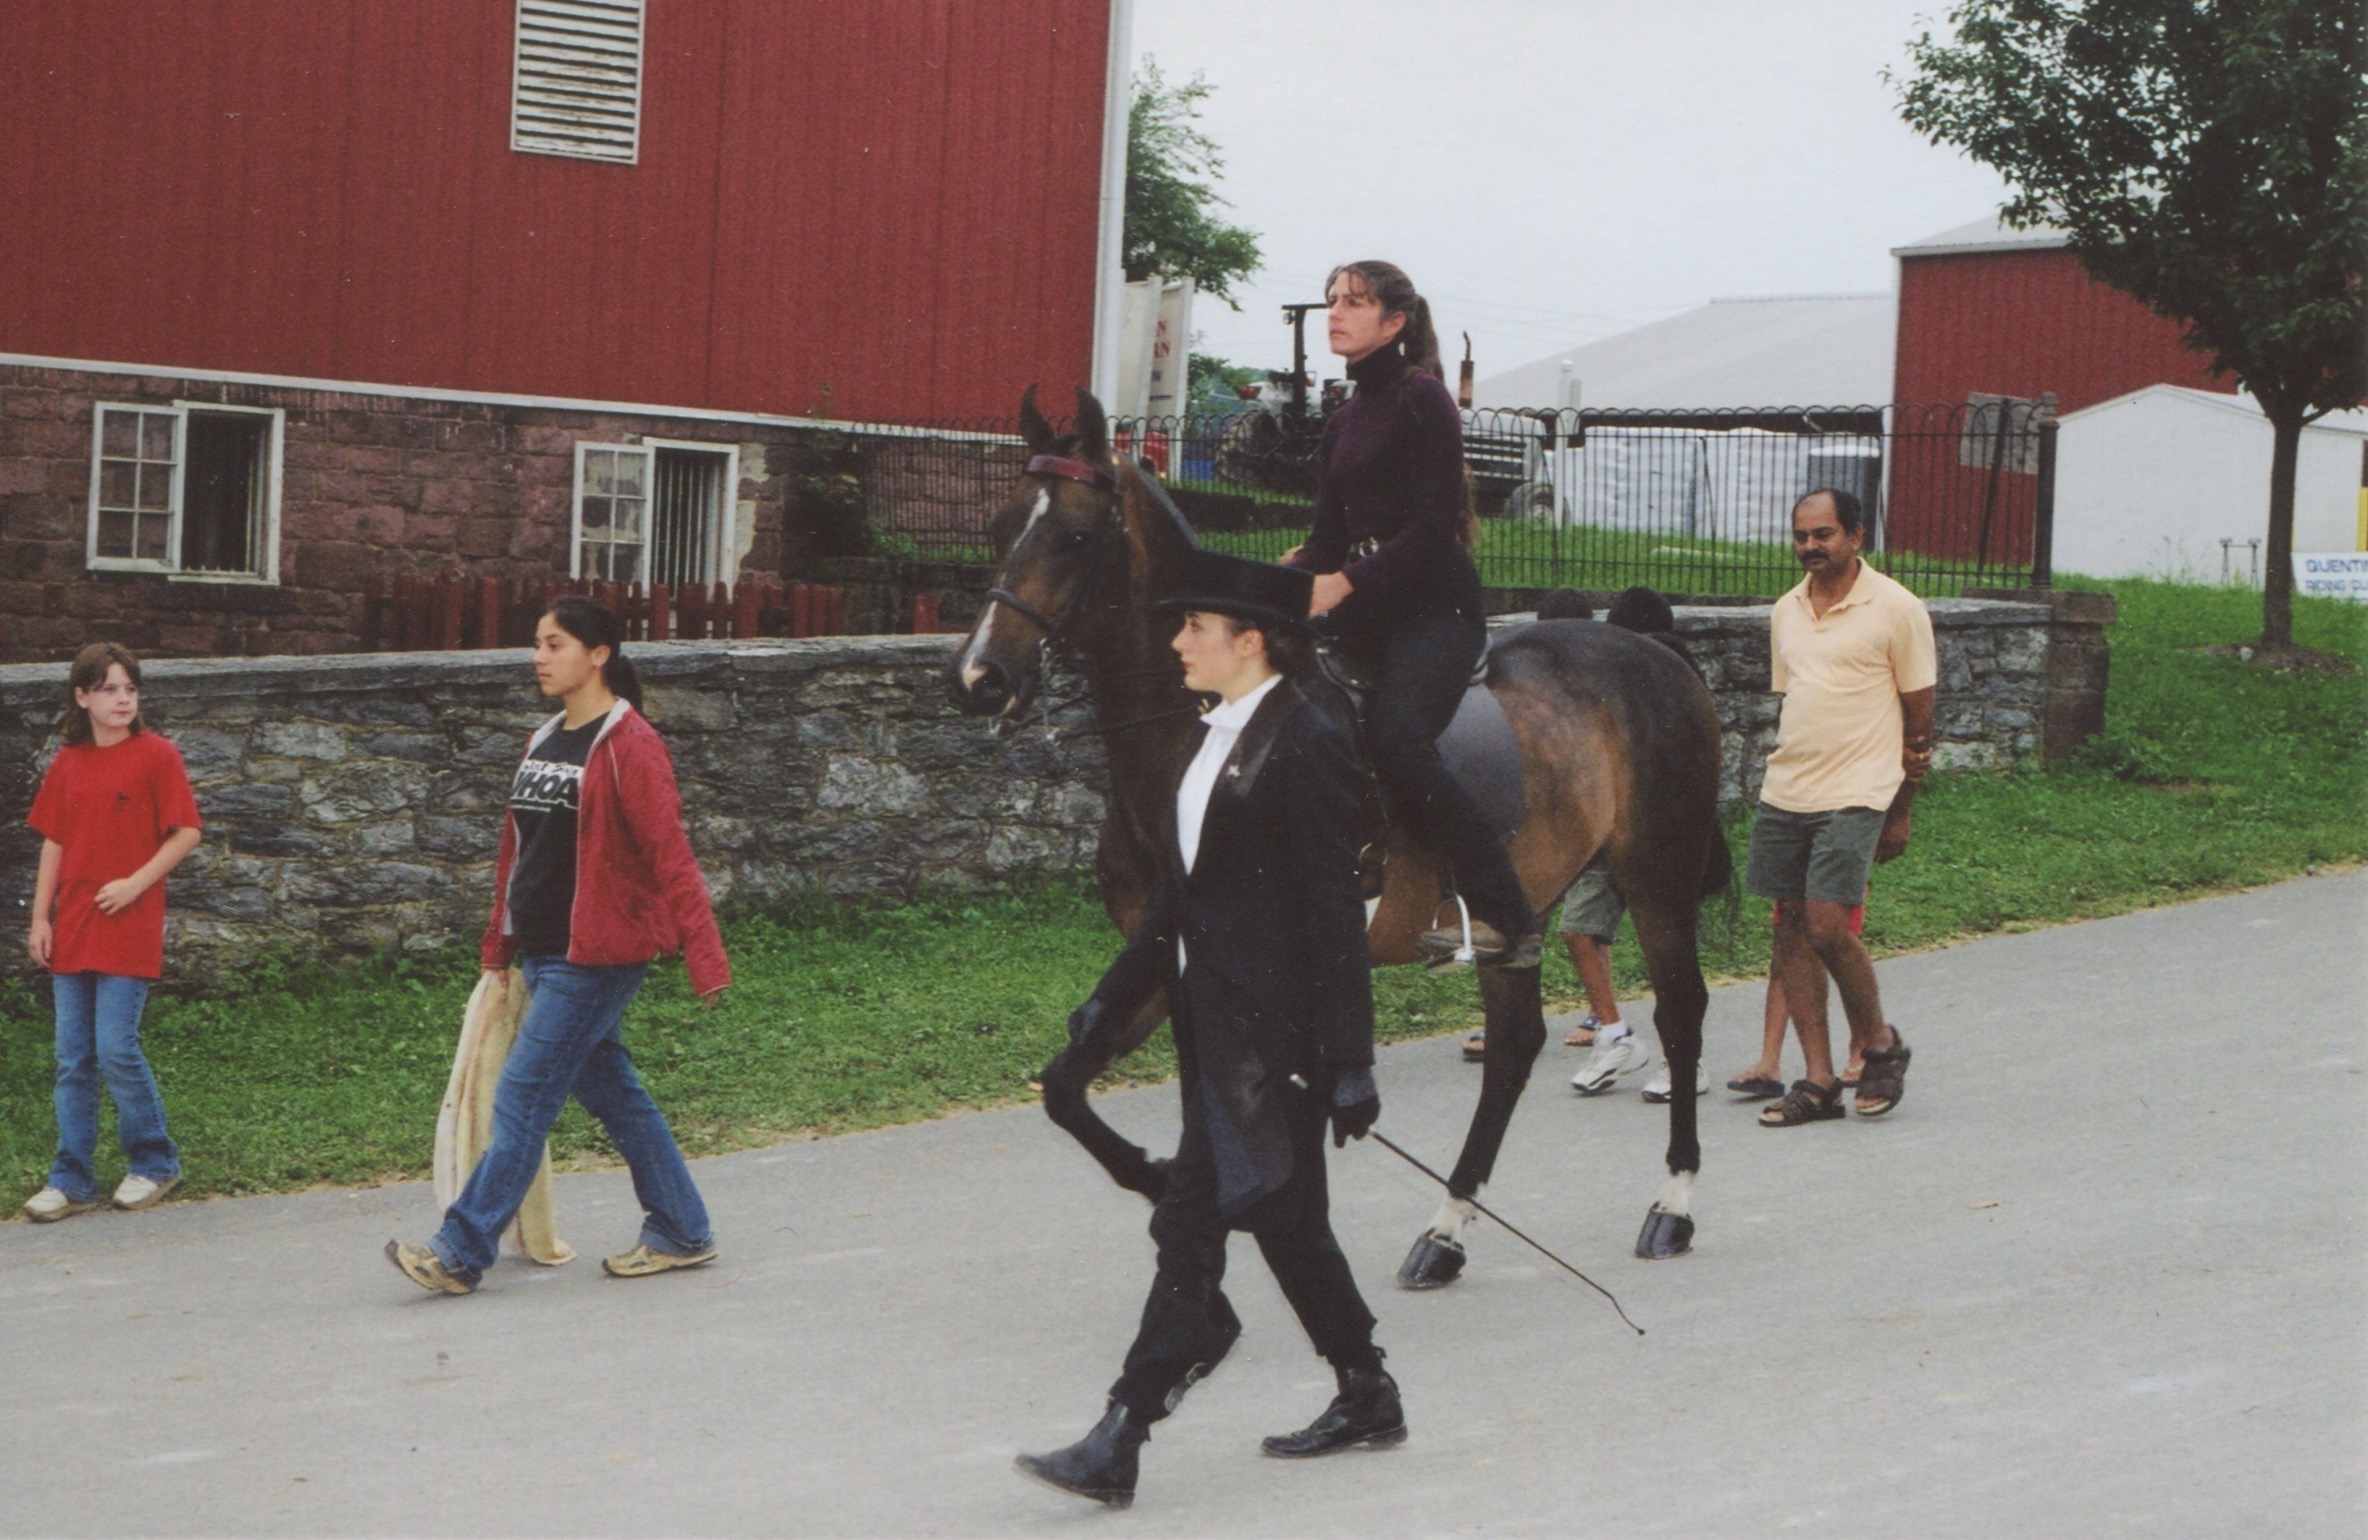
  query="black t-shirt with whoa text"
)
[{"x": 543, "y": 801}]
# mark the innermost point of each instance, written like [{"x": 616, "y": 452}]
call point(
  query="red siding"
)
[
  {"x": 2010, "y": 323},
  {"x": 883, "y": 211},
  {"x": 2022, "y": 323}
]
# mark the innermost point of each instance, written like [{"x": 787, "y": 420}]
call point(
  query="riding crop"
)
[{"x": 1398, "y": 1150}]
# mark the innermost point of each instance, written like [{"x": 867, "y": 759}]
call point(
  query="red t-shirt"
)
[{"x": 108, "y": 810}]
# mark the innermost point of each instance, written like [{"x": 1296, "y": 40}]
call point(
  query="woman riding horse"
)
[{"x": 1395, "y": 584}]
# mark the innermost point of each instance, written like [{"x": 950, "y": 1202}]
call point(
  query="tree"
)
[
  {"x": 2208, "y": 158},
  {"x": 1170, "y": 170},
  {"x": 1210, "y": 381}
]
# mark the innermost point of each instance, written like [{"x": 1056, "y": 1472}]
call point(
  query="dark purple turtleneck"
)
[{"x": 1390, "y": 469}]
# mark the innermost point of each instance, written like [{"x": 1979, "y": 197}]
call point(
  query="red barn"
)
[
  {"x": 291, "y": 292},
  {"x": 1998, "y": 319}
]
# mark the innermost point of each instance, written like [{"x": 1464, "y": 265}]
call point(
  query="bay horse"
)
[{"x": 1619, "y": 747}]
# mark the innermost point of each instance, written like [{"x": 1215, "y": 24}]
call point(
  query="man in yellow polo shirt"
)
[{"x": 1851, "y": 653}]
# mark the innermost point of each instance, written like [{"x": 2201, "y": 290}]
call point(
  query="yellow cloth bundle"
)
[{"x": 464, "y": 1125}]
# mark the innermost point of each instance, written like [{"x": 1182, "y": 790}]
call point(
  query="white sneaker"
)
[
  {"x": 1612, "y": 1058},
  {"x": 1657, "y": 1088},
  {"x": 138, "y": 1192},
  {"x": 49, "y": 1205}
]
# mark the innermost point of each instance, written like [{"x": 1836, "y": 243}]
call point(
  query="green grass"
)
[
  {"x": 2211, "y": 776},
  {"x": 1516, "y": 554}
]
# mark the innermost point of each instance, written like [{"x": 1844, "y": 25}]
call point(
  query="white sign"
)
[{"x": 2332, "y": 575}]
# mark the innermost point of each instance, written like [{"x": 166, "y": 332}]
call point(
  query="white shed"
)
[{"x": 2174, "y": 483}]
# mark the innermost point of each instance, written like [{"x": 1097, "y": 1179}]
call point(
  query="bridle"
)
[{"x": 1054, "y": 629}]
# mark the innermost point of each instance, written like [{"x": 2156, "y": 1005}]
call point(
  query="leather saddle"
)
[{"x": 1478, "y": 746}]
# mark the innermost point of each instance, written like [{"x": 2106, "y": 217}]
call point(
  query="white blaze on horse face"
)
[{"x": 972, "y": 670}]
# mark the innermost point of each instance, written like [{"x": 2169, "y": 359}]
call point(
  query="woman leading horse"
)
[{"x": 1255, "y": 935}]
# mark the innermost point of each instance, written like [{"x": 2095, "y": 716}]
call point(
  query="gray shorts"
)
[
  {"x": 1826, "y": 856},
  {"x": 1593, "y": 906}
]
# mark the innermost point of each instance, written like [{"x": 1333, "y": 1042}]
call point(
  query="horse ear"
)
[
  {"x": 1033, "y": 427},
  {"x": 1093, "y": 429}
]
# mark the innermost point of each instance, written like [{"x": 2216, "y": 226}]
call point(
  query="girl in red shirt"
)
[{"x": 115, "y": 814}]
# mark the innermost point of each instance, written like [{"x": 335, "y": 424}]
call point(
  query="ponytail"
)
[{"x": 596, "y": 625}]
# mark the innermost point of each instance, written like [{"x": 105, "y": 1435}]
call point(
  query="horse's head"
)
[{"x": 1061, "y": 541}]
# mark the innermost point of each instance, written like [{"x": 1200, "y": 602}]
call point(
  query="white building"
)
[{"x": 2169, "y": 482}]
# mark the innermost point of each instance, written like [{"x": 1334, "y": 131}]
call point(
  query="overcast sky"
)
[{"x": 1554, "y": 171}]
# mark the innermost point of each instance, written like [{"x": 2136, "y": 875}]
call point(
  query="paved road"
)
[{"x": 2103, "y": 1274}]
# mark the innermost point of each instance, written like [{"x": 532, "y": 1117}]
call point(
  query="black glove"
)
[{"x": 1356, "y": 1105}]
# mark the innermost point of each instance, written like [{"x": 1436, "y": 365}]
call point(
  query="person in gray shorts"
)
[
  {"x": 1591, "y": 913},
  {"x": 1851, "y": 652}
]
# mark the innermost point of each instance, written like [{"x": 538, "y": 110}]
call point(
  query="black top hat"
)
[{"x": 1260, "y": 593}]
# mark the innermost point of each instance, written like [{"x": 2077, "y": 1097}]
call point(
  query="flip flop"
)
[
  {"x": 1756, "y": 1088},
  {"x": 1475, "y": 1048}
]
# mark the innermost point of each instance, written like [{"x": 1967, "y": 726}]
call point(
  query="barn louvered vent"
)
[{"x": 576, "y": 89}]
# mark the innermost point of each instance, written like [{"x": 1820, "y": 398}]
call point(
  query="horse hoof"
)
[
  {"x": 1665, "y": 1235},
  {"x": 1433, "y": 1263}
]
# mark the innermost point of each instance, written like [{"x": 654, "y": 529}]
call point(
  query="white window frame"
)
[
  {"x": 725, "y": 566},
  {"x": 267, "y": 566},
  {"x": 575, "y": 513}
]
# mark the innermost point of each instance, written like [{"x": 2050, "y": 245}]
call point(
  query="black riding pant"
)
[
  {"x": 1188, "y": 1324},
  {"x": 1425, "y": 665}
]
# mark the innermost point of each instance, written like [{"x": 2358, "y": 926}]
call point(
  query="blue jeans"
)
[
  {"x": 99, "y": 1034},
  {"x": 569, "y": 1042}
]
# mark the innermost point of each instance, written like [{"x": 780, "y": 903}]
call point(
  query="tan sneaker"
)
[
  {"x": 139, "y": 1192},
  {"x": 641, "y": 1262},
  {"x": 426, "y": 1269},
  {"x": 50, "y": 1205}
]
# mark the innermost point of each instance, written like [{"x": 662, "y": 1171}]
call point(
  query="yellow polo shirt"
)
[{"x": 1839, "y": 737}]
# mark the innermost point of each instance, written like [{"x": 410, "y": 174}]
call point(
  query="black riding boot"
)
[
  {"x": 1100, "y": 1465},
  {"x": 1365, "y": 1412}
]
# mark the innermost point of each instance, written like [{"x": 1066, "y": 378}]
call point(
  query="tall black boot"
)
[
  {"x": 1366, "y": 1412},
  {"x": 1100, "y": 1465}
]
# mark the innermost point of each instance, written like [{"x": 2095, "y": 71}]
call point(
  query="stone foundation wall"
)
[
  {"x": 370, "y": 484},
  {"x": 353, "y": 803}
]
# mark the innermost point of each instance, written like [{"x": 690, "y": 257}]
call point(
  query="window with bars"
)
[
  {"x": 575, "y": 85},
  {"x": 185, "y": 490},
  {"x": 654, "y": 513}
]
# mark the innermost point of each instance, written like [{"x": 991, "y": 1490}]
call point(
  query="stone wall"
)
[{"x": 352, "y": 803}]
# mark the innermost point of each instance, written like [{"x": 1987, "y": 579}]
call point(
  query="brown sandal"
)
[
  {"x": 1806, "y": 1102},
  {"x": 1476, "y": 1048},
  {"x": 1885, "y": 1078}
]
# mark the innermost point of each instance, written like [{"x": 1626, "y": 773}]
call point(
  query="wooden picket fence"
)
[{"x": 451, "y": 611}]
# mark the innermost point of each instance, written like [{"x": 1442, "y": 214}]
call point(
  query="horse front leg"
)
[
  {"x": 1516, "y": 1019},
  {"x": 1066, "y": 1081}
]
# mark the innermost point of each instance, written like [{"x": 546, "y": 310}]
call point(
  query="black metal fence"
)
[{"x": 1691, "y": 503}]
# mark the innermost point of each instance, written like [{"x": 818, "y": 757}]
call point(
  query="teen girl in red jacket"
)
[{"x": 594, "y": 881}]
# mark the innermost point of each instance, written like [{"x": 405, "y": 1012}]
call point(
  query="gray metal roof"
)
[
  {"x": 1785, "y": 350},
  {"x": 1985, "y": 235}
]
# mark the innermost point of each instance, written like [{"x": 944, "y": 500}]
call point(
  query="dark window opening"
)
[
  {"x": 687, "y": 517},
  {"x": 223, "y": 494}
]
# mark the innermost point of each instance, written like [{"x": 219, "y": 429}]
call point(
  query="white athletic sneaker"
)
[
  {"x": 139, "y": 1192},
  {"x": 1657, "y": 1088},
  {"x": 1612, "y": 1058},
  {"x": 50, "y": 1205}
]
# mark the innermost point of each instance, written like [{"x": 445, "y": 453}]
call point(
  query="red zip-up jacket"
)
[{"x": 639, "y": 895}]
